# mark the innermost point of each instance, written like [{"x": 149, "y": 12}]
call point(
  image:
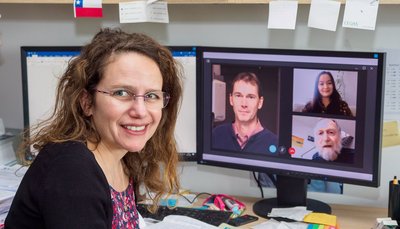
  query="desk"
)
[{"x": 349, "y": 217}]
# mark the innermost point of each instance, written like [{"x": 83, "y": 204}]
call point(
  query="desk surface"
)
[{"x": 349, "y": 217}]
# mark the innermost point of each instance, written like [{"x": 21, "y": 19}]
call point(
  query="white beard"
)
[{"x": 329, "y": 153}]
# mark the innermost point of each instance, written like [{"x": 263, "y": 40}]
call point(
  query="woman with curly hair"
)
[{"x": 112, "y": 130}]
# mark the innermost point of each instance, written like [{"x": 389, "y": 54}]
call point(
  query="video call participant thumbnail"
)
[
  {"x": 245, "y": 133},
  {"x": 327, "y": 99}
]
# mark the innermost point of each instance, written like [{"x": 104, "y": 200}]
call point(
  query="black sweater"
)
[{"x": 63, "y": 188}]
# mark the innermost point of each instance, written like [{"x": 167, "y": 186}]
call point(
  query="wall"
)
[{"x": 214, "y": 25}]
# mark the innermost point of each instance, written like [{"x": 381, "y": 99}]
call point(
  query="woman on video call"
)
[{"x": 327, "y": 99}]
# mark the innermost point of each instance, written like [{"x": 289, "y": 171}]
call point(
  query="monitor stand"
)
[{"x": 290, "y": 192}]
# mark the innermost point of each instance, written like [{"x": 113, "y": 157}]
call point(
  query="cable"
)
[
  {"x": 194, "y": 199},
  {"x": 17, "y": 170},
  {"x": 258, "y": 184}
]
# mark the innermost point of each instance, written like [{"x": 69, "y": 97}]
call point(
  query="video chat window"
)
[
  {"x": 304, "y": 137},
  {"x": 304, "y": 86},
  {"x": 226, "y": 107}
]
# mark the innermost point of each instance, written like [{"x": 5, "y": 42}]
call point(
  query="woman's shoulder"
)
[
  {"x": 64, "y": 161},
  {"x": 343, "y": 103},
  {"x": 66, "y": 146},
  {"x": 63, "y": 152},
  {"x": 344, "y": 108},
  {"x": 308, "y": 107}
]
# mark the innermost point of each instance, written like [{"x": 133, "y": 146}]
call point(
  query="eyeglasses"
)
[{"x": 152, "y": 99}]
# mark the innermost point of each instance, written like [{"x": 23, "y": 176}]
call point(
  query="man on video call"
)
[
  {"x": 327, "y": 140},
  {"x": 246, "y": 133}
]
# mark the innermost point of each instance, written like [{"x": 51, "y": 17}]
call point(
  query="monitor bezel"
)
[
  {"x": 375, "y": 182},
  {"x": 24, "y": 71},
  {"x": 183, "y": 156}
]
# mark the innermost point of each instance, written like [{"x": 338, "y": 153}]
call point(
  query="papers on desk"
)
[
  {"x": 6, "y": 198},
  {"x": 2, "y": 219},
  {"x": 304, "y": 218},
  {"x": 10, "y": 176},
  {"x": 274, "y": 224},
  {"x": 7, "y": 153},
  {"x": 180, "y": 222},
  {"x": 295, "y": 213}
]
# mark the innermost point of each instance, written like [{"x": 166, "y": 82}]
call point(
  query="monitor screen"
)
[
  {"x": 297, "y": 114},
  {"x": 42, "y": 66}
]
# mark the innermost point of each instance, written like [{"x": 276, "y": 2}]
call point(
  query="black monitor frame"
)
[
  {"x": 26, "y": 50},
  {"x": 369, "y": 110}
]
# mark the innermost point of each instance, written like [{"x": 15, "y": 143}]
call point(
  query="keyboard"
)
[{"x": 212, "y": 217}]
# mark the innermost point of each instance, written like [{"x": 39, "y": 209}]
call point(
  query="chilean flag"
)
[{"x": 88, "y": 8}]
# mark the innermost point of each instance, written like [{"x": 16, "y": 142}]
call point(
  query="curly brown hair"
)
[{"x": 155, "y": 166}]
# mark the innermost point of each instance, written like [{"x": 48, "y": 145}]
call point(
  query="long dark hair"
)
[{"x": 335, "y": 98}]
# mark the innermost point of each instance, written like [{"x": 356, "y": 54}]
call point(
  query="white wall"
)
[{"x": 214, "y": 25}]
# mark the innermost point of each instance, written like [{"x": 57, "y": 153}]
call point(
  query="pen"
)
[{"x": 395, "y": 181}]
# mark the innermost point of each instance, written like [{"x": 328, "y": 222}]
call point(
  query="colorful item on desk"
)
[
  {"x": 321, "y": 218},
  {"x": 320, "y": 226},
  {"x": 226, "y": 203}
]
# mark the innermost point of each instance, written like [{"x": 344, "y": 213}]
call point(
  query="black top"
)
[
  {"x": 63, "y": 188},
  {"x": 339, "y": 108},
  {"x": 342, "y": 157}
]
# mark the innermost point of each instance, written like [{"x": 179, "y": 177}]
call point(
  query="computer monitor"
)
[
  {"x": 42, "y": 66},
  {"x": 185, "y": 133},
  {"x": 297, "y": 114}
]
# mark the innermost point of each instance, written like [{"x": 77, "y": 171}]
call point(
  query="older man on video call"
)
[{"x": 327, "y": 140}]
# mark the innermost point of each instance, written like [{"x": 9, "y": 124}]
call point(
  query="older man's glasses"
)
[{"x": 152, "y": 99}]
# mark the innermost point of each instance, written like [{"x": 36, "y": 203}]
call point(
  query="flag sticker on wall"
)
[{"x": 88, "y": 8}]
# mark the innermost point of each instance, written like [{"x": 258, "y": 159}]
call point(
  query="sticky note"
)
[
  {"x": 320, "y": 218},
  {"x": 297, "y": 141},
  {"x": 390, "y": 134}
]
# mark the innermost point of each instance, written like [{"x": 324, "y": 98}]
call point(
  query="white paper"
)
[
  {"x": 360, "y": 14},
  {"x": 295, "y": 213},
  {"x": 11, "y": 177},
  {"x": 282, "y": 14},
  {"x": 324, "y": 14},
  {"x": 6, "y": 198},
  {"x": 2, "y": 128},
  {"x": 392, "y": 85},
  {"x": 151, "y": 1},
  {"x": 7, "y": 153},
  {"x": 3, "y": 217},
  {"x": 273, "y": 224},
  {"x": 141, "y": 11},
  {"x": 180, "y": 222}
]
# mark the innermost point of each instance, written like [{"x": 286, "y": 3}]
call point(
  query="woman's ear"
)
[{"x": 86, "y": 103}]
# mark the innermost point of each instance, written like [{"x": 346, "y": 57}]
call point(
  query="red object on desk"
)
[{"x": 218, "y": 201}]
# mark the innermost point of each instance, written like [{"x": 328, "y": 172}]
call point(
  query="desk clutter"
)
[
  {"x": 11, "y": 172},
  {"x": 385, "y": 223},
  {"x": 10, "y": 176},
  {"x": 224, "y": 211}
]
